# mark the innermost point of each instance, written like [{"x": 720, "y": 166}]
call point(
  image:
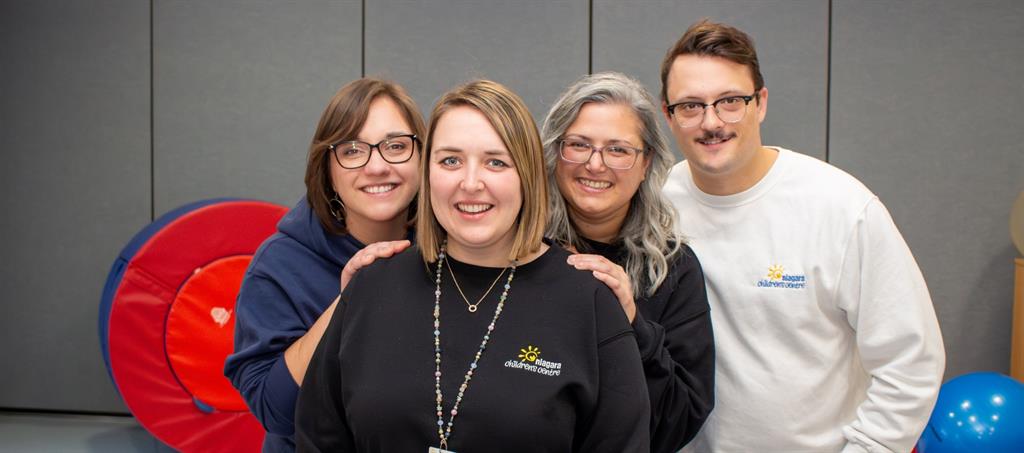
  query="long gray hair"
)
[{"x": 649, "y": 231}]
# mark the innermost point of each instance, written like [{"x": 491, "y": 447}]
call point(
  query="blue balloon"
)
[{"x": 977, "y": 412}]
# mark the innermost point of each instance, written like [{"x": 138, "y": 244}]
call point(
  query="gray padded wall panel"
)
[
  {"x": 74, "y": 130},
  {"x": 429, "y": 47},
  {"x": 926, "y": 111},
  {"x": 792, "y": 45},
  {"x": 238, "y": 90}
]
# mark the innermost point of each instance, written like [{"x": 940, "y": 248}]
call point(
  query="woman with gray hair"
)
[{"x": 607, "y": 162}]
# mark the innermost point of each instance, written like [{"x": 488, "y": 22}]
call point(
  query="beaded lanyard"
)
[{"x": 443, "y": 433}]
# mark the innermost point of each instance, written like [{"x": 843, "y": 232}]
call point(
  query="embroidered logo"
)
[
  {"x": 220, "y": 315},
  {"x": 778, "y": 278},
  {"x": 529, "y": 360},
  {"x": 529, "y": 353}
]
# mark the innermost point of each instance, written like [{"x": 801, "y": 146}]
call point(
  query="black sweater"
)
[
  {"x": 673, "y": 330},
  {"x": 370, "y": 385}
]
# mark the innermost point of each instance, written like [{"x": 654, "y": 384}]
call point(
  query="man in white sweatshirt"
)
[{"x": 825, "y": 333}]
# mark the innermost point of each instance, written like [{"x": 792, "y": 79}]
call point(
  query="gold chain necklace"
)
[{"x": 469, "y": 306}]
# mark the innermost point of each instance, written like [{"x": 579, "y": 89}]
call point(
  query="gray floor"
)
[{"x": 32, "y": 432}]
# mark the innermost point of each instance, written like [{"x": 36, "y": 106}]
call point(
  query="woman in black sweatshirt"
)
[
  {"x": 607, "y": 162},
  {"x": 480, "y": 338}
]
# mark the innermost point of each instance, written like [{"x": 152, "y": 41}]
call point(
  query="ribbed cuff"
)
[{"x": 851, "y": 447}]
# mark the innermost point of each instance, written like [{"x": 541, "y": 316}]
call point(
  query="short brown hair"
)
[
  {"x": 711, "y": 39},
  {"x": 342, "y": 120},
  {"x": 512, "y": 121}
]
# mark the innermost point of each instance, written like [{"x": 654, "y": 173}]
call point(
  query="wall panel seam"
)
[
  {"x": 590, "y": 36},
  {"x": 152, "y": 121},
  {"x": 363, "y": 41},
  {"x": 828, "y": 85}
]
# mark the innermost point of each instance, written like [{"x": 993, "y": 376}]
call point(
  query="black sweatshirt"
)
[
  {"x": 562, "y": 370},
  {"x": 673, "y": 330}
]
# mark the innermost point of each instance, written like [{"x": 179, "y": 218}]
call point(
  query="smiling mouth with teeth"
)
[
  {"x": 594, "y": 184},
  {"x": 379, "y": 189},
  {"x": 473, "y": 208}
]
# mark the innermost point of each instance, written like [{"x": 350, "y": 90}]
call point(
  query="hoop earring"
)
[{"x": 337, "y": 207}]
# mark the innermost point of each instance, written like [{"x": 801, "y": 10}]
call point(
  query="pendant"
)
[
  {"x": 438, "y": 450},
  {"x": 471, "y": 308}
]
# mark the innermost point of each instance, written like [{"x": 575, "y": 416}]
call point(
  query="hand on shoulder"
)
[
  {"x": 612, "y": 275},
  {"x": 368, "y": 255}
]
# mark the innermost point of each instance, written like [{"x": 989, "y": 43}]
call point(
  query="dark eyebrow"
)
[
  {"x": 732, "y": 94},
  {"x": 722, "y": 95},
  {"x": 612, "y": 141},
  {"x": 622, "y": 142},
  {"x": 388, "y": 136},
  {"x": 577, "y": 136}
]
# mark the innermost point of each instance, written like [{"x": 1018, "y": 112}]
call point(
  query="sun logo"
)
[
  {"x": 775, "y": 272},
  {"x": 529, "y": 353}
]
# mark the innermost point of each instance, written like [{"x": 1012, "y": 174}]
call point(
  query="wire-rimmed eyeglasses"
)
[{"x": 615, "y": 156}]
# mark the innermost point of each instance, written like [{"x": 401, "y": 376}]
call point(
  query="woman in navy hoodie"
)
[{"x": 361, "y": 181}]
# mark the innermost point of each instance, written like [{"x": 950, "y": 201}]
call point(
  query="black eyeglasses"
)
[
  {"x": 355, "y": 154},
  {"x": 730, "y": 109}
]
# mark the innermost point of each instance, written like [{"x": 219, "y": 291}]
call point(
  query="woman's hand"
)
[
  {"x": 369, "y": 254},
  {"x": 610, "y": 274}
]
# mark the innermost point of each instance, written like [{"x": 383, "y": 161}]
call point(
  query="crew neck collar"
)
[{"x": 778, "y": 168}]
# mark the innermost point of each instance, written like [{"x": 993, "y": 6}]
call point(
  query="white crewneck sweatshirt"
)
[{"x": 825, "y": 334}]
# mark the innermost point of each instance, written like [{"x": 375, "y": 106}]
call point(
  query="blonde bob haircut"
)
[{"x": 512, "y": 121}]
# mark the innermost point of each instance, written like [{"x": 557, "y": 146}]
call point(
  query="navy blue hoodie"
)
[{"x": 292, "y": 279}]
